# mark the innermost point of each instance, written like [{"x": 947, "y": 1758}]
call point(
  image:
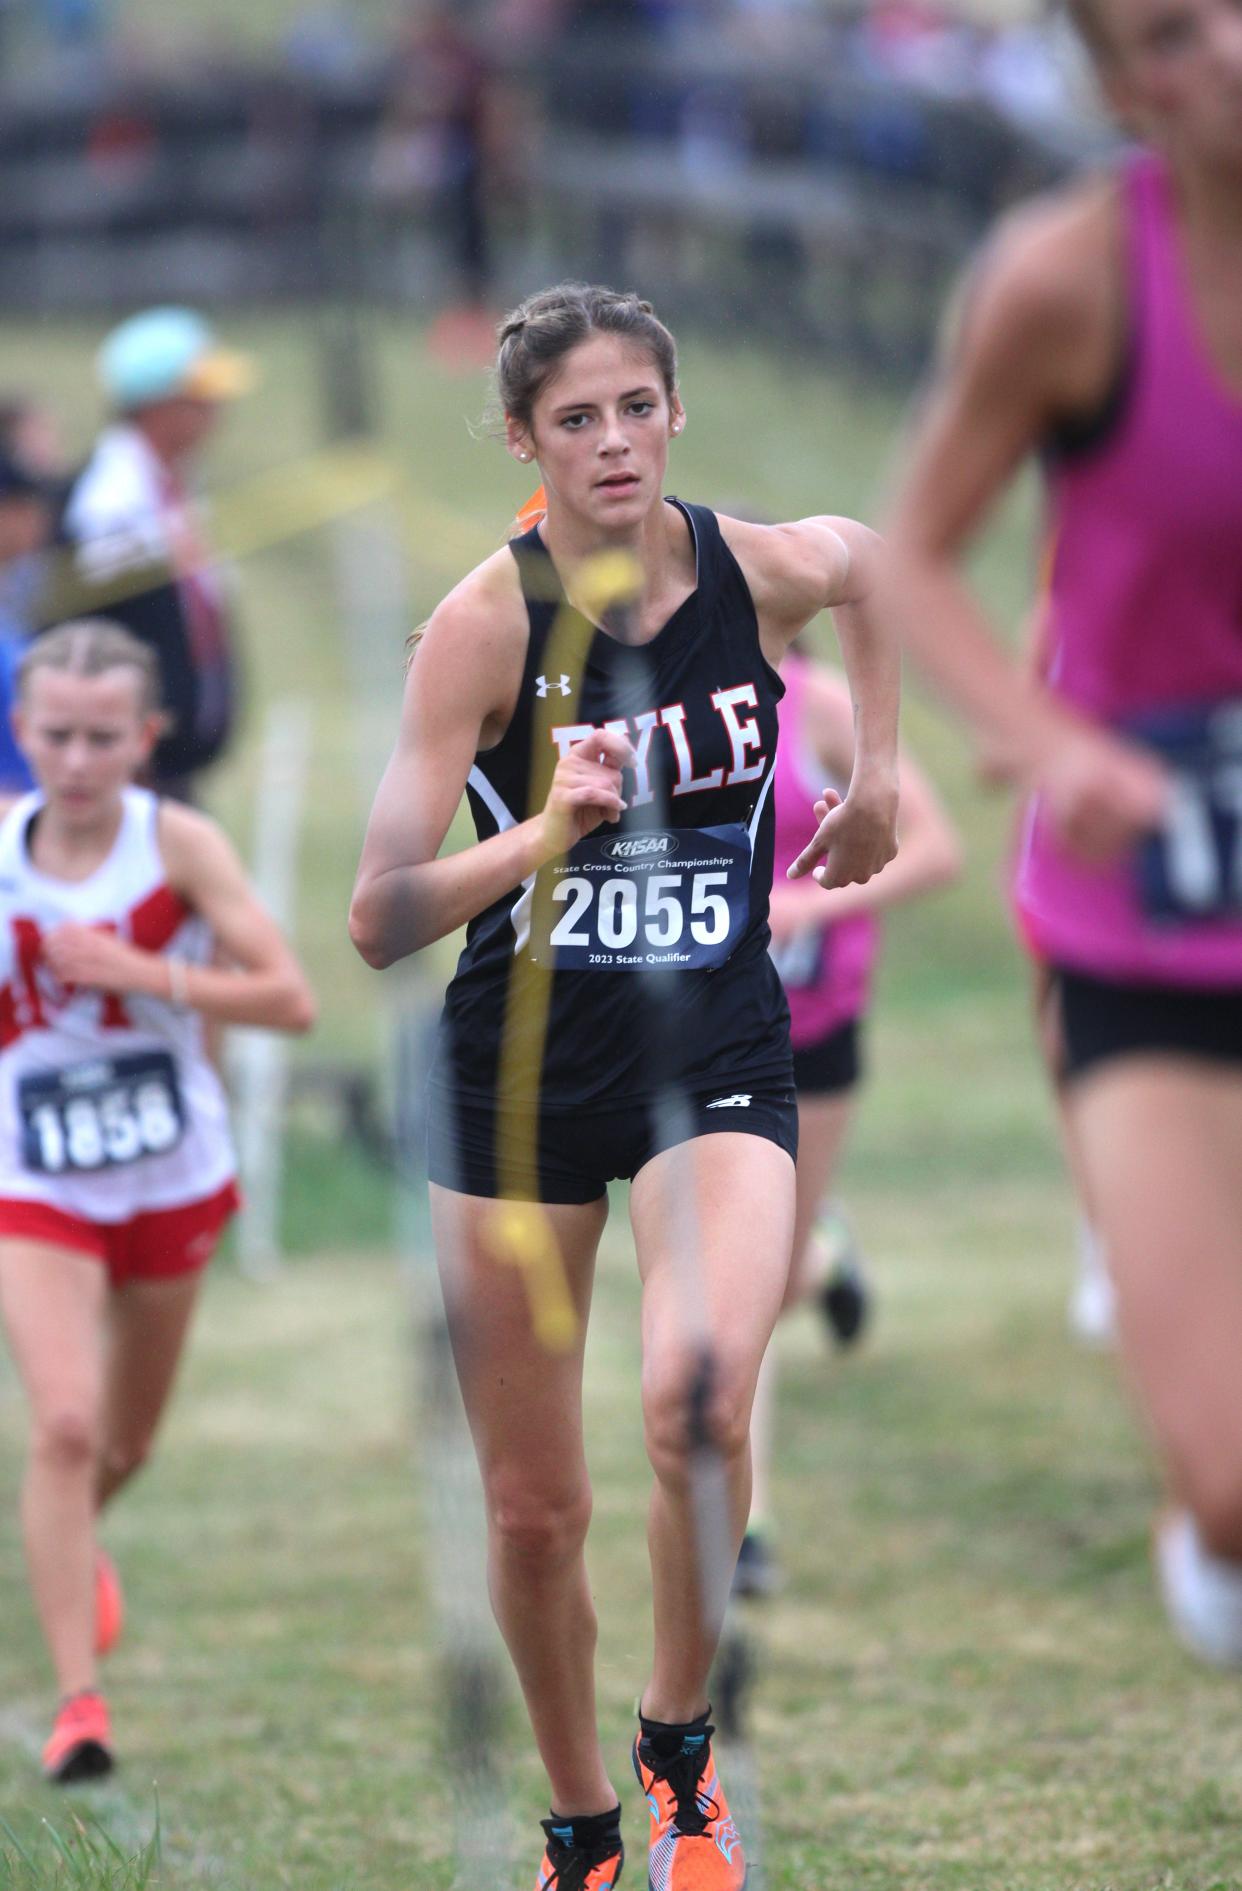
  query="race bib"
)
[
  {"x": 1192, "y": 869},
  {"x": 102, "y": 1114},
  {"x": 672, "y": 897}
]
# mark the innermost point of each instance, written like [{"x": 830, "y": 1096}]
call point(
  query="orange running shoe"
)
[
  {"x": 81, "y": 1742},
  {"x": 694, "y": 1843},
  {"x": 109, "y": 1604},
  {"x": 580, "y": 1867}
]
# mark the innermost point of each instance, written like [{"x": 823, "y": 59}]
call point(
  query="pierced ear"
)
[
  {"x": 519, "y": 442},
  {"x": 678, "y": 422}
]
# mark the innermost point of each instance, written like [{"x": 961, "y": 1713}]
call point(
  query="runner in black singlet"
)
[{"x": 621, "y": 798}]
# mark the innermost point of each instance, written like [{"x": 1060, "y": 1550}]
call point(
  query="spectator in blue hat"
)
[{"x": 135, "y": 534}]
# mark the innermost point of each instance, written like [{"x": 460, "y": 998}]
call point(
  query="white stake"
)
[{"x": 259, "y": 1060}]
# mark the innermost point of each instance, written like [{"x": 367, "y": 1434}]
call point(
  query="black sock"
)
[
  {"x": 587, "y": 1831},
  {"x": 667, "y": 1739}
]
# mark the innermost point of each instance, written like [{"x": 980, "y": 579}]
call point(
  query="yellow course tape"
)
[
  {"x": 521, "y": 1235},
  {"x": 287, "y": 502},
  {"x": 308, "y": 494},
  {"x": 528, "y": 1239},
  {"x": 301, "y": 497}
]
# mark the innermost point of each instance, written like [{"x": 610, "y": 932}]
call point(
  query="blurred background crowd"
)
[{"x": 459, "y": 153}]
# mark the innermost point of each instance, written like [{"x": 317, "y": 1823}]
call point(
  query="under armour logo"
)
[
  {"x": 730, "y": 1103},
  {"x": 543, "y": 685}
]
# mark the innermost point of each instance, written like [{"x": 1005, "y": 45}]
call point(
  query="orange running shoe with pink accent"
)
[
  {"x": 80, "y": 1746},
  {"x": 109, "y": 1604},
  {"x": 695, "y": 1845},
  {"x": 570, "y": 1867}
]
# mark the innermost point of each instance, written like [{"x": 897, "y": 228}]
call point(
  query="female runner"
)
[
  {"x": 1105, "y": 331},
  {"x": 588, "y": 384},
  {"x": 825, "y": 946},
  {"x": 116, "y": 1167}
]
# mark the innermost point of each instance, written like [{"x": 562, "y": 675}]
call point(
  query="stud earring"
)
[{"x": 523, "y": 457}]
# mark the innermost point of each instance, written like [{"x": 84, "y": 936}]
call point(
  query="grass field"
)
[{"x": 967, "y": 1683}]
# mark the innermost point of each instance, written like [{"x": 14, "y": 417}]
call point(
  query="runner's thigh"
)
[
  {"x": 53, "y": 1300},
  {"x": 713, "y": 1222},
  {"x": 1162, "y": 1143},
  {"x": 523, "y": 1398},
  {"x": 822, "y": 1125},
  {"x": 147, "y": 1325}
]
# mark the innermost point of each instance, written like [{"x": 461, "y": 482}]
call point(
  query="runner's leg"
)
[
  {"x": 148, "y": 1321},
  {"x": 822, "y": 1125},
  {"x": 1162, "y": 1140},
  {"x": 53, "y": 1304},
  {"x": 524, "y": 1406},
  {"x": 731, "y": 1289}
]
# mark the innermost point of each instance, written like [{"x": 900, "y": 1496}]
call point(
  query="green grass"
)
[
  {"x": 967, "y": 1682},
  {"x": 85, "y": 1854}
]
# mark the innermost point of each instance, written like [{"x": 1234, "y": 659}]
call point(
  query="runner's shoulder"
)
[
  {"x": 1049, "y": 274},
  {"x": 475, "y": 640},
  {"x": 486, "y": 605},
  {"x": 191, "y": 843},
  {"x": 788, "y": 567}
]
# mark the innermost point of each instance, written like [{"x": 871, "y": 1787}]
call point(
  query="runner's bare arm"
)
[
  {"x": 929, "y": 850},
  {"x": 262, "y": 984},
  {"x": 795, "y": 571},
  {"x": 459, "y": 695},
  {"x": 999, "y": 390},
  {"x": 1039, "y": 344}
]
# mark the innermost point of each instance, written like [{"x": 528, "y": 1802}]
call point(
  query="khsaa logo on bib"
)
[{"x": 640, "y": 847}]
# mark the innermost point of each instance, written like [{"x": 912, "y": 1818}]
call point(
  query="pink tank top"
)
[
  {"x": 1145, "y": 607},
  {"x": 826, "y": 974}
]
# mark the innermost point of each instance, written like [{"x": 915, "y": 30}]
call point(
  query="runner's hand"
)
[
  {"x": 855, "y": 838},
  {"x": 586, "y": 789},
  {"x": 1101, "y": 794},
  {"x": 87, "y": 955}
]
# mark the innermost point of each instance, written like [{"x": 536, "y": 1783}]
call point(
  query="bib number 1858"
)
[{"x": 100, "y": 1115}]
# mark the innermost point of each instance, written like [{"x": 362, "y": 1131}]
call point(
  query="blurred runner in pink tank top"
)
[
  {"x": 825, "y": 942},
  {"x": 1104, "y": 330}
]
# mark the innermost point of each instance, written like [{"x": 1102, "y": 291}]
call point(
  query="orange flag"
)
[{"x": 534, "y": 511}]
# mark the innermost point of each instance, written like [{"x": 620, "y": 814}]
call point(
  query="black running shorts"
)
[
  {"x": 1102, "y": 1020},
  {"x": 580, "y": 1152},
  {"x": 831, "y": 1065}
]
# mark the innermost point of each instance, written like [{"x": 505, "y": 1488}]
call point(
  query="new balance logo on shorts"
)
[
  {"x": 542, "y": 685},
  {"x": 730, "y": 1103}
]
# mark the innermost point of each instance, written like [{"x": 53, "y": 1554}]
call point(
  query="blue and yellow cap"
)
[{"x": 163, "y": 353}]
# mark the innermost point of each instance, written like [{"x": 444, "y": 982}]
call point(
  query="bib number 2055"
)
[
  {"x": 678, "y": 897},
  {"x": 102, "y": 1114}
]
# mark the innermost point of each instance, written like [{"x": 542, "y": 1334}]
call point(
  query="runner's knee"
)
[
  {"x": 543, "y": 1523},
  {"x": 65, "y": 1436},
  {"x": 681, "y": 1411}
]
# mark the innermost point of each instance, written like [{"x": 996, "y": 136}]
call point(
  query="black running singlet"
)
[{"x": 683, "y": 885}]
